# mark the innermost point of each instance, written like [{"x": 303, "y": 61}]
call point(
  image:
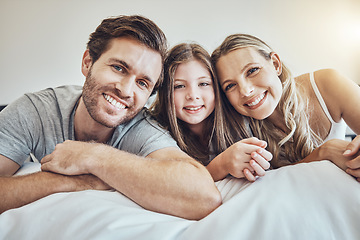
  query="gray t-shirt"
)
[{"x": 36, "y": 122}]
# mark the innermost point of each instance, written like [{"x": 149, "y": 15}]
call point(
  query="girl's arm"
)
[{"x": 245, "y": 158}]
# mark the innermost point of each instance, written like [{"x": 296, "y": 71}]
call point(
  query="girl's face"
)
[
  {"x": 250, "y": 81},
  {"x": 194, "y": 95}
]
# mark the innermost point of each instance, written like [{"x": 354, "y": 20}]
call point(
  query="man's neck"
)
[{"x": 86, "y": 129}]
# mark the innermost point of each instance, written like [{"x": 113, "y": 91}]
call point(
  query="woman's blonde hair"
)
[
  {"x": 301, "y": 140},
  {"x": 163, "y": 109}
]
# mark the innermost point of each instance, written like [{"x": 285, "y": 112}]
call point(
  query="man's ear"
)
[
  {"x": 275, "y": 59},
  {"x": 86, "y": 63}
]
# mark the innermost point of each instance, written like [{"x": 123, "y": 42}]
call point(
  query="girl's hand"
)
[{"x": 247, "y": 158}]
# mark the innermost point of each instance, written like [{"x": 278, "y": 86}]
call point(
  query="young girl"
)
[
  {"x": 297, "y": 117},
  {"x": 188, "y": 104}
]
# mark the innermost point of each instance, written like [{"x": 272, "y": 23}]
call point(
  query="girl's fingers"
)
[
  {"x": 260, "y": 160},
  {"x": 249, "y": 176},
  {"x": 258, "y": 169}
]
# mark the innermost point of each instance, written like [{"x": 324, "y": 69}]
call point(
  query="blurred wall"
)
[{"x": 42, "y": 41}]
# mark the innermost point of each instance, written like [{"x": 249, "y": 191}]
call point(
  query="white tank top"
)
[{"x": 337, "y": 129}]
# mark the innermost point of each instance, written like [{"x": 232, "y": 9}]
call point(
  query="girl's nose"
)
[{"x": 192, "y": 94}]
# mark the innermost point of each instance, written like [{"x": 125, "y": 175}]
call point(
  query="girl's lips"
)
[{"x": 193, "y": 109}]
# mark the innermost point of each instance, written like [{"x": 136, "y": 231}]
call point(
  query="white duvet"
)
[{"x": 306, "y": 201}]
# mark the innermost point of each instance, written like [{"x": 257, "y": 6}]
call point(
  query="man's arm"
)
[
  {"x": 166, "y": 181},
  {"x": 20, "y": 190},
  {"x": 7, "y": 166}
]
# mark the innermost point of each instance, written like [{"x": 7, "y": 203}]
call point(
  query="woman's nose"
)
[{"x": 246, "y": 89}]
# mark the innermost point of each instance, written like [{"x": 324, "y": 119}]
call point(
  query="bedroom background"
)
[{"x": 42, "y": 41}]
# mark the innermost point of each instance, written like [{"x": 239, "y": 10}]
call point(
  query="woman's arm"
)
[
  {"x": 353, "y": 151},
  {"x": 342, "y": 97},
  {"x": 245, "y": 158}
]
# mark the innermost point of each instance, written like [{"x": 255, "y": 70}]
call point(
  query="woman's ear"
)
[
  {"x": 276, "y": 62},
  {"x": 86, "y": 63}
]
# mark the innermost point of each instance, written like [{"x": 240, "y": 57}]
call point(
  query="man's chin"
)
[{"x": 119, "y": 121}]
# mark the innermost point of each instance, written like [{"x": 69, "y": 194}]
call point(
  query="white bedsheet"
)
[{"x": 307, "y": 201}]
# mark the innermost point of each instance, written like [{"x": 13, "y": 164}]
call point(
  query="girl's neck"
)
[{"x": 198, "y": 130}]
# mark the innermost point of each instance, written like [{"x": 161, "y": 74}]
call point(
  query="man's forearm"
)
[
  {"x": 181, "y": 187},
  {"x": 19, "y": 191}
]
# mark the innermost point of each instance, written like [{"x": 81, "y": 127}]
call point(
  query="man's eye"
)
[
  {"x": 143, "y": 84},
  {"x": 118, "y": 68}
]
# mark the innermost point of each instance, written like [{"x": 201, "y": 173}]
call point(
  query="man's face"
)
[{"x": 120, "y": 82}]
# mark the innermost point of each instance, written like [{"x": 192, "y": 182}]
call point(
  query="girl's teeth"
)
[{"x": 193, "y": 109}]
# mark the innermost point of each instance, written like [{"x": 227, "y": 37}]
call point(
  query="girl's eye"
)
[
  {"x": 204, "y": 84},
  {"x": 229, "y": 86},
  {"x": 178, "y": 86},
  {"x": 252, "y": 70}
]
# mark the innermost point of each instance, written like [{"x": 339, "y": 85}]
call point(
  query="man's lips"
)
[{"x": 113, "y": 102}]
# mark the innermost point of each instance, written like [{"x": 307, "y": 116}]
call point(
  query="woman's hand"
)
[
  {"x": 342, "y": 153},
  {"x": 353, "y": 151}
]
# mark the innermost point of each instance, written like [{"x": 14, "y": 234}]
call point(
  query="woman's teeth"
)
[
  {"x": 114, "y": 102},
  {"x": 257, "y": 100}
]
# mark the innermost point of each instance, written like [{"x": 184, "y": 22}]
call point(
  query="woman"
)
[
  {"x": 297, "y": 117},
  {"x": 188, "y": 104}
]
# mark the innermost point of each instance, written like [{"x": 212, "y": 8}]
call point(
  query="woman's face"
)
[
  {"x": 194, "y": 95},
  {"x": 250, "y": 81}
]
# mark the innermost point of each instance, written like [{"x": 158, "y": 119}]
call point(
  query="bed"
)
[{"x": 305, "y": 201}]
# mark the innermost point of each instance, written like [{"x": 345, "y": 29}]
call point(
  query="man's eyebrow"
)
[
  {"x": 120, "y": 62},
  {"x": 145, "y": 77}
]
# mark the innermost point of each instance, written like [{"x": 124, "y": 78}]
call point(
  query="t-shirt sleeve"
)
[
  {"x": 19, "y": 123},
  {"x": 146, "y": 137}
]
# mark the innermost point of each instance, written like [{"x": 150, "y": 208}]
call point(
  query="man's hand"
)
[{"x": 69, "y": 158}]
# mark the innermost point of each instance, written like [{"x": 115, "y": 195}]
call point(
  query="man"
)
[{"x": 123, "y": 66}]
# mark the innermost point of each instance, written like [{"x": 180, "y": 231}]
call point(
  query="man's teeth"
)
[
  {"x": 257, "y": 100},
  {"x": 193, "y": 108},
  {"x": 114, "y": 102}
]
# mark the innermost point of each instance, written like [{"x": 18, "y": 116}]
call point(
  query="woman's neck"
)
[{"x": 277, "y": 118}]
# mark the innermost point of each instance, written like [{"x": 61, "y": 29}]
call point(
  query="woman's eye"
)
[
  {"x": 252, "y": 70},
  {"x": 228, "y": 87}
]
